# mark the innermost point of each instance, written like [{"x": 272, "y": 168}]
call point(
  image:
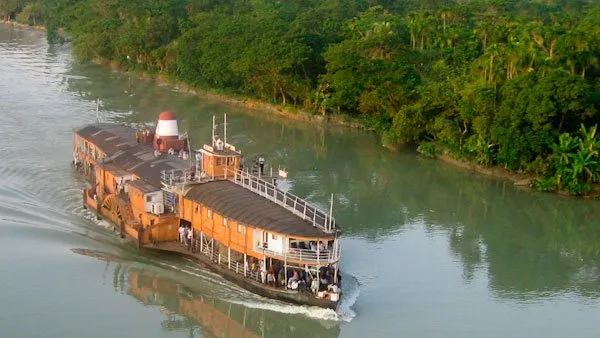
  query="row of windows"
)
[
  {"x": 223, "y": 160},
  {"x": 240, "y": 228}
]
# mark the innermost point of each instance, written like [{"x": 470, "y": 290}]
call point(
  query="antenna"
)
[
  {"x": 213, "y": 132},
  {"x": 330, "y": 212},
  {"x": 98, "y": 110},
  {"x": 225, "y": 129},
  {"x": 187, "y": 138}
]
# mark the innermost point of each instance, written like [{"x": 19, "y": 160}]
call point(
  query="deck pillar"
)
[
  {"x": 229, "y": 258},
  {"x": 285, "y": 269},
  {"x": 201, "y": 242},
  {"x": 245, "y": 274}
]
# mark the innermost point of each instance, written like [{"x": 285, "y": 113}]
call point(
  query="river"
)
[{"x": 429, "y": 250}]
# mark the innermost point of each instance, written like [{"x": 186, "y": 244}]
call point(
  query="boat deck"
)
[{"x": 234, "y": 272}]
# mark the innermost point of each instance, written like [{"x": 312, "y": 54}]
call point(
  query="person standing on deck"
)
[
  {"x": 185, "y": 236},
  {"x": 181, "y": 234},
  {"x": 263, "y": 271},
  {"x": 190, "y": 236}
]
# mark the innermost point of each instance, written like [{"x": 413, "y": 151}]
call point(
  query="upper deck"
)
[
  {"x": 237, "y": 195},
  {"x": 122, "y": 150}
]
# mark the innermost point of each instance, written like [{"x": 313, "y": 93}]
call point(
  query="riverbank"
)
[
  {"x": 287, "y": 112},
  {"x": 521, "y": 180},
  {"x": 22, "y": 25}
]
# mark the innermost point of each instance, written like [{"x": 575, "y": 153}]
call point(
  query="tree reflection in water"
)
[{"x": 188, "y": 308}]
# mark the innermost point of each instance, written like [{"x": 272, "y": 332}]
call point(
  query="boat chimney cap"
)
[{"x": 166, "y": 116}]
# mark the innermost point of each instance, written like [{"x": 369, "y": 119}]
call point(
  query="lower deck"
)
[{"x": 240, "y": 274}]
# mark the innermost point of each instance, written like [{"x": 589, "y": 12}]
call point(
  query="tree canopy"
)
[{"x": 496, "y": 82}]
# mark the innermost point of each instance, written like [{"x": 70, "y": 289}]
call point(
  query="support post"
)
[
  {"x": 245, "y": 266},
  {"x": 330, "y": 213},
  {"x": 229, "y": 258},
  {"x": 285, "y": 268},
  {"x": 201, "y": 242},
  {"x": 260, "y": 273}
]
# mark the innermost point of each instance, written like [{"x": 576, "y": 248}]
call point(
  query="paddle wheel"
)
[{"x": 112, "y": 209}]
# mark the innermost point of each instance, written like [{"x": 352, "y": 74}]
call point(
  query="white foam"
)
[{"x": 309, "y": 311}]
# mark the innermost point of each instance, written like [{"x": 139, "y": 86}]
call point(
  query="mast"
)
[
  {"x": 213, "y": 132},
  {"x": 98, "y": 110},
  {"x": 225, "y": 128},
  {"x": 330, "y": 212}
]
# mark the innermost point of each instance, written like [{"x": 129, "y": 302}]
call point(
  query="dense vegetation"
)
[{"x": 514, "y": 83}]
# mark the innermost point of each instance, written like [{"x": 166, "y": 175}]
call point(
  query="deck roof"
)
[
  {"x": 119, "y": 143},
  {"x": 238, "y": 203}
]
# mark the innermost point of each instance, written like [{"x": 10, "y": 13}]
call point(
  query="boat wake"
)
[{"x": 232, "y": 294}]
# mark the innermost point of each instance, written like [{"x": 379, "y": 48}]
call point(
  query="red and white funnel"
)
[
  {"x": 167, "y": 125},
  {"x": 167, "y": 137}
]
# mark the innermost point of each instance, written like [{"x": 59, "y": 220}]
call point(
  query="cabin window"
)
[
  {"x": 274, "y": 237},
  {"x": 240, "y": 228},
  {"x": 225, "y": 221},
  {"x": 148, "y": 198},
  {"x": 219, "y": 161},
  {"x": 230, "y": 160},
  {"x": 196, "y": 208},
  {"x": 209, "y": 213},
  {"x": 151, "y": 222}
]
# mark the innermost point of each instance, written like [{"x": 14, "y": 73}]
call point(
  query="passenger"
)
[
  {"x": 281, "y": 277},
  {"x": 333, "y": 288},
  {"x": 185, "y": 236},
  {"x": 263, "y": 271},
  {"x": 181, "y": 234},
  {"x": 261, "y": 164},
  {"x": 190, "y": 237},
  {"x": 293, "y": 281},
  {"x": 271, "y": 276},
  {"x": 314, "y": 286},
  {"x": 302, "y": 286}
]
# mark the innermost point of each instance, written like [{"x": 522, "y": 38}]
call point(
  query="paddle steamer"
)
[{"x": 151, "y": 184}]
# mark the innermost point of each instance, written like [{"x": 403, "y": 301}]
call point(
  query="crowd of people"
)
[{"x": 298, "y": 279}]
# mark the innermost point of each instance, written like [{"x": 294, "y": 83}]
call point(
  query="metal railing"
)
[
  {"x": 301, "y": 255},
  {"x": 287, "y": 200},
  {"x": 269, "y": 190},
  {"x": 223, "y": 260},
  {"x": 182, "y": 176}
]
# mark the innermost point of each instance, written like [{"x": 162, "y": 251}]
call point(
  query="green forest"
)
[{"x": 509, "y": 83}]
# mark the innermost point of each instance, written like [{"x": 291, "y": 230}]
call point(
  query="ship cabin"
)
[{"x": 123, "y": 171}]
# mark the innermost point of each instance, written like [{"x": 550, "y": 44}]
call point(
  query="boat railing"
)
[
  {"x": 300, "y": 255},
  {"x": 291, "y": 202},
  {"x": 183, "y": 176},
  {"x": 225, "y": 262}
]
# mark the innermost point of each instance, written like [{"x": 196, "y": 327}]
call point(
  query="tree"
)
[{"x": 8, "y": 8}]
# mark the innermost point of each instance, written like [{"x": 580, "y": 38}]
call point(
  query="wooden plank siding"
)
[{"x": 227, "y": 231}]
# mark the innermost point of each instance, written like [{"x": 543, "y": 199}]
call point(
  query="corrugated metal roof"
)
[
  {"x": 119, "y": 143},
  {"x": 238, "y": 203},
  {"x": 143, "y": 186}
]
